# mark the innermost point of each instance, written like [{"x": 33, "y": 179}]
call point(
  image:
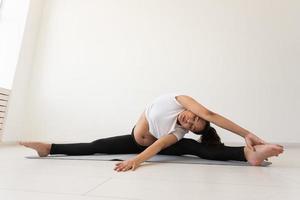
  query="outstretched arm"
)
[
  {"x": 152, "y": 150},
  {"x": 190, "y": 104}
]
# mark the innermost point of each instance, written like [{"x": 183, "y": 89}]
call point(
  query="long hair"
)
[{"x": 209, "y": 135}]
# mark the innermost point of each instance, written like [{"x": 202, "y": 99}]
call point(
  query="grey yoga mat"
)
[{"x": 156, "y": 158}]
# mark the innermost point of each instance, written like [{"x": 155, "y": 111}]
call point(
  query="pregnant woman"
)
[{"x": 160, "y": 130}]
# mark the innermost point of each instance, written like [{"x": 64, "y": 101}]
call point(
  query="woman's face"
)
[{"x": 190, "y": 121}]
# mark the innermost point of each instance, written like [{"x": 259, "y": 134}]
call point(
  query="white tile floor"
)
[{"x": 22, "y": 178}]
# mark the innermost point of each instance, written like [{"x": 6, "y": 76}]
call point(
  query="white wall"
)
[{"x": 98, "y": 63}]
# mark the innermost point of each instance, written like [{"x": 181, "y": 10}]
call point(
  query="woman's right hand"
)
[
  {"x": 252, "y": 140},
  {"x": 130, "y": 164}
]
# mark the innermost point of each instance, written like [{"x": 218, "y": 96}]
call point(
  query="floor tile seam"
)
[
  {"x": 212, "y": 183},
  {"x": 98, "y": 185},
  {"x": 67, "y": 194}
]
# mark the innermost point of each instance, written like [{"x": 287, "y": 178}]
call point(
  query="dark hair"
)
[{"x": 209, "y": 135}]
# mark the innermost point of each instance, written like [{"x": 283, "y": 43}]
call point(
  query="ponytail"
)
[{"x": 209, "y": 136}]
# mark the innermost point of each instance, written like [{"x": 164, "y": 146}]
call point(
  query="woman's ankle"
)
[
  {"x": 250, "y": 158},
  {"x": 49, "y": 148},
  {"x": 246, "y": 152}
]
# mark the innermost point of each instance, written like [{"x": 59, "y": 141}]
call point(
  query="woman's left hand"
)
[
  {"x": 251, "y": 140},
  {"x": 126, "y": 165}
]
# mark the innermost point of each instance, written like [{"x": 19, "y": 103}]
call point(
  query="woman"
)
[{"x": 160, "y": 130}]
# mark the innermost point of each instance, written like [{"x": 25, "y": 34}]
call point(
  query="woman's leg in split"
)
[
  {"x": 113, "y": 145},
  {"x": 222, "y": 152},
  {"x": 124, "y": 144},
  {"x": 211, "y": 152}
]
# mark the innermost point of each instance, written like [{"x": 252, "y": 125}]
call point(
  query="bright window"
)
[{"x": 13, "y": 15}]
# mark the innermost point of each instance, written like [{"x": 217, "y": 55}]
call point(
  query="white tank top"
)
[{"x": 162, "y": 114}]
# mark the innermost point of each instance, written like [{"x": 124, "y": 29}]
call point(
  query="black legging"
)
[{"x": 126, "y": 144}]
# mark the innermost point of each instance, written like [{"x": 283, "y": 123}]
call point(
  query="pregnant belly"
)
[{"x": 141, "y": 132}]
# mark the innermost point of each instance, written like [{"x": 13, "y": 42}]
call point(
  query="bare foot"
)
[
  {"x": 43, "y": 149},
  {"x": 262, "y": 152}
]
